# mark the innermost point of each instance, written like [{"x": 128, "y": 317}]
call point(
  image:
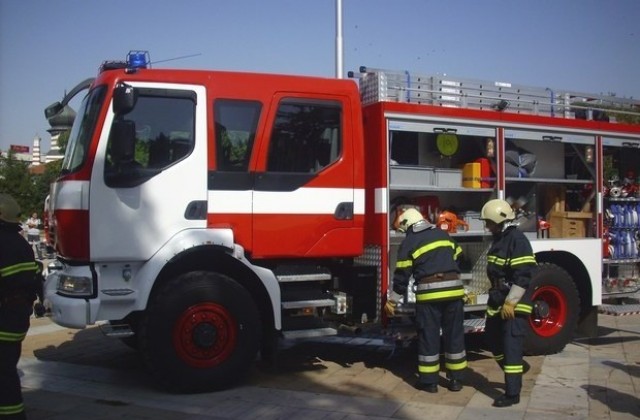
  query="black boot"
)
[
  {"x": 431, "y": 388},
  {"x": 506, "y": 400}
]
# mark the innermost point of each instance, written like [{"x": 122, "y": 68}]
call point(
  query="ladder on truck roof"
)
[{"x": 378, "y": 85}]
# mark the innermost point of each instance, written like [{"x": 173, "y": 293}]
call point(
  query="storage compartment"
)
[
  {"x": 412, "y": 176},
  {"x": 448, "y": 178},
  {"x": 569, "y": 224}
]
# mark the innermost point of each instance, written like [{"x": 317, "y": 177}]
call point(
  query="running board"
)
[
  {"x": 474, "y": 325},
  {"x": 317, "y": 332},
  {"x": 619, "y": 310},
  {"x": 315, "y": 303},
  {"x": 117, "y": 331}
]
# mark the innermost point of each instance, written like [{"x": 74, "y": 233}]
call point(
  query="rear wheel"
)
[
  {"x": 556, "y": 309},
  {"x": 201, "y": 332}
]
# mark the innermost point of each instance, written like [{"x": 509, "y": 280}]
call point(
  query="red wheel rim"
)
[
  {"x": 205, "y": 335},
  {"x": 554, "y": 322}
]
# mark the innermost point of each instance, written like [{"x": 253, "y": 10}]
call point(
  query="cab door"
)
[
  {"x": 137, "y": 204},
  {"x": 305, "y": 203}
]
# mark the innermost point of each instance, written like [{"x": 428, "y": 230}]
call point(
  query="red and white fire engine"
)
[{"x": 202, "y": 215}]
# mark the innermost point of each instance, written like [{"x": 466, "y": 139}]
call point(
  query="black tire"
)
[
  {"x": 201, "y": 332},
  {"x": 556, "y": 310}
]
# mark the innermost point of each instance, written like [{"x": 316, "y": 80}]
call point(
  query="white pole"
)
[{"x": 339, "y": 39}]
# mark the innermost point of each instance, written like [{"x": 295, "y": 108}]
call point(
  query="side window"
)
[
  {"x": 163, "y": 125},
  {"x": 236, "y": 123},
  {"x": 306, "y": 136}
]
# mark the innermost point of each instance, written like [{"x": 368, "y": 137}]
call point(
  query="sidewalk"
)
[{"x": 68, "y": 374}]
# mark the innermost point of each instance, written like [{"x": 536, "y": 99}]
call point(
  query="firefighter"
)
[
  {"x": 429, "y": 254},
  {"x": 510, "y": 262},
  {"x": 19, "y": 283}
]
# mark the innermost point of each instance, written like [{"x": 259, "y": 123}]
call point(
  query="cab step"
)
[
  {"x": 620, "y": 309},
  {"x": 116, "y": 330},
  {"x": 294, "y": 274}
]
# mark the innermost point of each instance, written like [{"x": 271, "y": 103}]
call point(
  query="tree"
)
[{"x": 16, "y": 180}]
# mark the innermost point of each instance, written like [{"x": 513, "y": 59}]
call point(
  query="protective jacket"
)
[
  {"x": 430, "y": 255},
  {"x": 427, "y": 253},
  {"x": 19, "y": 283},
  {"x": 510, "y": 261}
]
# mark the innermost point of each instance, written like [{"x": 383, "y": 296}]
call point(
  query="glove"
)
[
  {"x": 392, "y": 302},
  {"x": 508, "y": 310}
]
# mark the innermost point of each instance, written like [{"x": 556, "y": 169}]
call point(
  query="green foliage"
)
[{"x": 29, "y": 190}]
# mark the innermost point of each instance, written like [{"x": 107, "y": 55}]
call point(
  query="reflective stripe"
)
[
  {"x": 491, "y": 312},
  {"x": 456, "y": 366},
  {"x": 429, "y": 359},
  {"x": 513, "y": 368},
  {"x": 18, "y": 268},
  {"x": 404, "y": 264},
  {"x": 433, "y": 245},
  {"x": 524, "y": 308},
  {"x": 7, "y": 410},
  {"x": 429, "y": 369},
  {"x": 498, "y": 357},
  {"x": 12, "y": 337},
  {"x": 446, "y": 294},
  {"x": 528, "y": 259},
  {"x": 495, "y": 260},
  {"x": 453, "y": 356},
  {"x": 439, "y": 285}
]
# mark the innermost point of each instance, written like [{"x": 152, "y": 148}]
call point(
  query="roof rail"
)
[{"x": 378, "y": 85}]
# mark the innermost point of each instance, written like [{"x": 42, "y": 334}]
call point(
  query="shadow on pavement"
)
[{"x": 617, "y": 401}]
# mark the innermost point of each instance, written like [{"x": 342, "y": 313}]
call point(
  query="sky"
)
[{"x": 48, "y": 46}]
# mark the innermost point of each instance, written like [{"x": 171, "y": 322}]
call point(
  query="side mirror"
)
[
  {"x": 53, "y": 110},
  {"x": 123, "y": 141},
  {"x": 124, "y": 99}
]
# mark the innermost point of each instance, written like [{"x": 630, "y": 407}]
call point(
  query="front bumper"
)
[{"x": 70, "y": 312}]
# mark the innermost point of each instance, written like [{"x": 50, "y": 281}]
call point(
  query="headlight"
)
[{"x": 75, "y": 286}]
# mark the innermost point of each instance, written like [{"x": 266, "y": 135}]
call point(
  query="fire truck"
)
[{"x": 201, "y": 216}]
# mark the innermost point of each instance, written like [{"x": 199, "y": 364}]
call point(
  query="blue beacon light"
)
[{"x": 137, "y": 59}]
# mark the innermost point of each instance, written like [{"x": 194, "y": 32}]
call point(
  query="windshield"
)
[{"x": 82, "y": 130}]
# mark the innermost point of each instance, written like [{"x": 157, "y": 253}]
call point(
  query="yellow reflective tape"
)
[
  {"x": 429, "y": 369},
  {"x": 491, "y": 312},
  {"x": 456, "y": 366},
  {"x": 513, "y": 368},
  {"x": 524, "y": 308},
  {"x": 496, "y": 260},
  {"x": 430, "y": 247},
  {"x": 7, "y": 410},
  {"x": 498, "y": 357},
  {"x": 424, "y": 297},
  {"x": 404, "y": 264},
  {"x": 529, "y": 259},
  {"x": 18, "y": 268},
  {"x": 12, "y": 337}
]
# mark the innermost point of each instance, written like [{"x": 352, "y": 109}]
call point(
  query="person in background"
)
[
  {"x": 20, "y": 282},
  {"x": 510, "y": 261},
  {"x": 430, "y": 255},
  {"x": 33, "y": 233}
]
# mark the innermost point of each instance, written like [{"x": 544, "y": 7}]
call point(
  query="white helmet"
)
[
  {"x": 9, "y": 209},
  {"x": 497, "y": 211},
  {"x": 408, "y": 218}
]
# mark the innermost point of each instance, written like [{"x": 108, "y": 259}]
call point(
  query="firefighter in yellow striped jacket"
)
[
  {"x": 430, "y": 255},
  {"x": 510, "y": 262},
  {"x": 19, "y": 283}
]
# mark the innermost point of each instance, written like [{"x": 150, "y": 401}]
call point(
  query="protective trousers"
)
[
  {"x": 505, "y": 340},
  {"x": 430, "y": 318},
  {"x": 14, "y": 323}
]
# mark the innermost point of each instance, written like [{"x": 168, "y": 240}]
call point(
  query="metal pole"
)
[{"x": 339, "y": 39}]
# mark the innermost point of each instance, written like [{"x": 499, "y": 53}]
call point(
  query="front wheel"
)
[
  {"x": 200, "y": 332},
  {"x": 556, "y": 310}
]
